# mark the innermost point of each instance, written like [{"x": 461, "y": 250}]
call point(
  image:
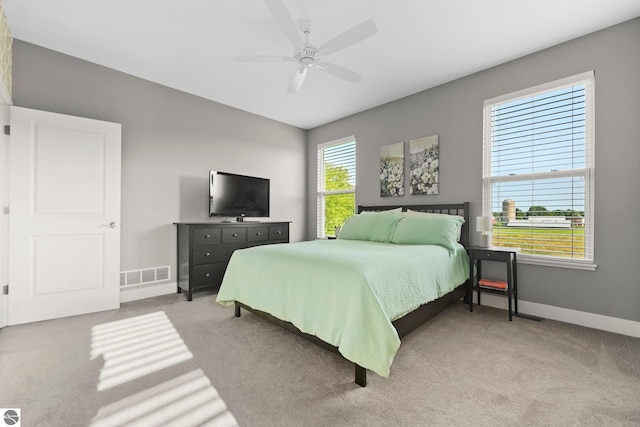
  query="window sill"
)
[{"x": 562, "y": 263}]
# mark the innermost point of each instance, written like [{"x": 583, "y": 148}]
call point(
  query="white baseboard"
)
[
  {"x": 582, "y": 318},
  {"x": 134, "y": 293}
]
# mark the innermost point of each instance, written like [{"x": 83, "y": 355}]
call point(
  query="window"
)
[
  {"x": 336, "y": 184},
  {"x": 538, "y": 172}
]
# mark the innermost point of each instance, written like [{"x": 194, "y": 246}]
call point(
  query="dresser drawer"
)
[
  {"x": 206, "y": 235},
  {"x": 257, "y": 234},
  {"x": 206, "y": 254},
  {"x": 208, "y": 275},
  {"x": 279, "y": 232},
  {"x": 234, "y": 234}
]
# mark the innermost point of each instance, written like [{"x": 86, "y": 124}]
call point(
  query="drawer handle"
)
[
  {"x": 206, "y": 236},
  {"x": 207, "y": 254},
  {"x": 258, "y": 233},
  {"x": 235, "y": 235},
  {"x": 278, "y": 232},
  {"x": 207, "y": 275}
]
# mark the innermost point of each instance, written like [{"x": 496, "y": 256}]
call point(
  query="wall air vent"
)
[{"x": 145, "y": 276}]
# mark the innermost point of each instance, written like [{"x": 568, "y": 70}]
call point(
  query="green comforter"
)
[{"x": 346, "y": 292}]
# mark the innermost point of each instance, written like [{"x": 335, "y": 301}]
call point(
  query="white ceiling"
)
[{"x": 188, "y": 44}]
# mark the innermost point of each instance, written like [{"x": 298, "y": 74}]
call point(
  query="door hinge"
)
[
  {"x": 5, "y": 210},
  {"x": 7, "y": 130},
  {"x": 5, "y": 289}
]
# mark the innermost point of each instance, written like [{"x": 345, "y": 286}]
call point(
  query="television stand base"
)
[{"x": 241, "y": 219}]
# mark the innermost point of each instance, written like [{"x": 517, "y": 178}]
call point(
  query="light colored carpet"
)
[{"x": 459, "y": 369}]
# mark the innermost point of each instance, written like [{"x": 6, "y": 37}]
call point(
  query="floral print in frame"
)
[
  {"x": 392, "y": 170},
  {"x": 423, "y": 165}
]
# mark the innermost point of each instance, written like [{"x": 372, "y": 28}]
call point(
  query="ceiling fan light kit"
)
[{"x": 306, "y": 54}]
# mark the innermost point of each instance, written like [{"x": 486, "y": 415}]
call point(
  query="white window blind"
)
[
  {"x": 538, "y": 171},
  {"x": 336, "y": 184}
]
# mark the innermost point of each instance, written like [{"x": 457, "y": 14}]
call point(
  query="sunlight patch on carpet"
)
[
  {"x": 135, "y": 347},
  {"x": 186, "y": 401}
]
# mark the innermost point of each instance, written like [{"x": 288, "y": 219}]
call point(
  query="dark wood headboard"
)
[{"x": 461, "y": 209}]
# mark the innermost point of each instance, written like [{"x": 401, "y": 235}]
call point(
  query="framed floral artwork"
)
[
  {"x": 392, "y": 170},
  {"x": 423, "y": 165}
]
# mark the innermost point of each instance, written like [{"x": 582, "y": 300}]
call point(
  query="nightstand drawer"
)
[
  {"x": 206, "y": 235},
  {"x": 234, "y": 234},
  {"x": 491, "y": 255}
]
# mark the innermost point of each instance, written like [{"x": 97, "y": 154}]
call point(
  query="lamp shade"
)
[{"x": 483, "y": 224}]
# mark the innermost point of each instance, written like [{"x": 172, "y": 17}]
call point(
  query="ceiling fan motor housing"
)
[{"x": 306, "y": 56}]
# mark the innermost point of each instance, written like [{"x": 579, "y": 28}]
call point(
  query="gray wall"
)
[
  {"x": 170, "y": 141},
  {"x": 454, "y": 112}
]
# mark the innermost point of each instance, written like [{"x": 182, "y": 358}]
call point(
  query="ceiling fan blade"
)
[
  {"x": 340, "y": 72},
  {"x": 349, "y": 37},
  {"x": 262, "y": 58},
  {"x": 286, "y": 23},
  {"x": 297, "y": 80}
]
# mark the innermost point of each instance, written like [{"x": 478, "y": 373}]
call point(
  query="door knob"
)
[{"x": 110, "y": 225}]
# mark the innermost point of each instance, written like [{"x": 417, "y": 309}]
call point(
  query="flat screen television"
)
[{"x": 240, "y": 196}]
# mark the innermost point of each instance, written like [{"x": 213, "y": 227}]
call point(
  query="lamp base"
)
[{"x": 485, "y": 240}]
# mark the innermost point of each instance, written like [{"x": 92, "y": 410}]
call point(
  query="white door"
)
[{"x": 64, "y": 221}]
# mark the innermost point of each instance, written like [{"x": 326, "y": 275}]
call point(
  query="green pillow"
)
[
  {"x": 459, "y": 231},
  {"x": 428, "y": 230},
  {"x": 377, "y": 227}
]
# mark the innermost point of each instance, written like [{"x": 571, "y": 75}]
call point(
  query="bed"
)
[{"x": 389, "y": 271}]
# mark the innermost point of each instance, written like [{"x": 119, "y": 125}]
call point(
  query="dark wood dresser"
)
[{"x": 204, "y": 249}]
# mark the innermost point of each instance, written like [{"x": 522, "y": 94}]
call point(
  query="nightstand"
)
[{"x": 478, "y": 254}]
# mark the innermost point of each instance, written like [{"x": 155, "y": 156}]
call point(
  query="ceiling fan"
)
[{"x": 305, "y": 53}]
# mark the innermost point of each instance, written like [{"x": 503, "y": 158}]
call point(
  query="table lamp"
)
[{"x": 483, "y": 226}]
